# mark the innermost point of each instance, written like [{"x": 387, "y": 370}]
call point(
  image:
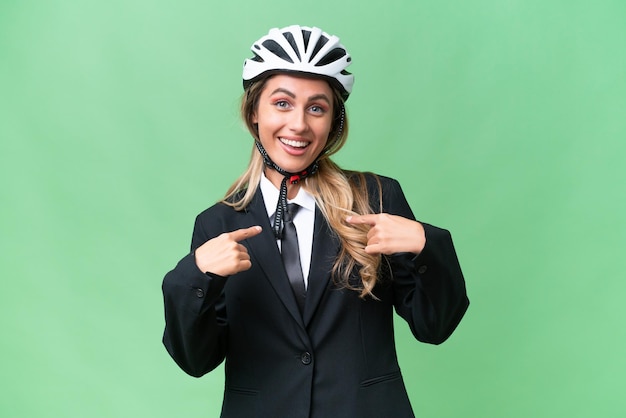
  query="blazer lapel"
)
[
  {"x": 325, "y": 249},
  {"x": 266, "y": 254}
]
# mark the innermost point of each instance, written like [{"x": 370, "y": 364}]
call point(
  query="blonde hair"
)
[{"x": 338, "y": 193}]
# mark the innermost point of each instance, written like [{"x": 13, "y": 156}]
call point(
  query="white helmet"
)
[{"x": 300, "y": 49}]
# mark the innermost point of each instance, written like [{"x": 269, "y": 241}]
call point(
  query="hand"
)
[
  {"x": 389, "y": 234},
  {"x": 224, "y": 255}
]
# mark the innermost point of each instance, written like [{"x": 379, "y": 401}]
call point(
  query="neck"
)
[{"x": 276, "y": 179}]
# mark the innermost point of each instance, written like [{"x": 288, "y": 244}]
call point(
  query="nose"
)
[{"x": 298, "y": 120}]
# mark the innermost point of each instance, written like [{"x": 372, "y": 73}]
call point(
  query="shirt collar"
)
[{"x": 270, "y": 197}]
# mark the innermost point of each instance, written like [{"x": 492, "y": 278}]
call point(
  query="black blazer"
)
[{"x": 338, "y": 358}]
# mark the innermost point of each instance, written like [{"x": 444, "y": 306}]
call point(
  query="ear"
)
[{"x": 255, "y": 120}]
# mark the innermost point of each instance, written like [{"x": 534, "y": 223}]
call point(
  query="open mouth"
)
[{"x": 294, "y": 143}]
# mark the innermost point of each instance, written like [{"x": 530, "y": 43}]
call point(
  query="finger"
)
[
  {"x": 362, "y": 219},
  {"x": 241, "y": 234},
  {"x": 243, "y": 252},
  {"x": 244, "y": 257},
  {"x": 374, "y": 249},
  {"x": 245, "y": 265}
]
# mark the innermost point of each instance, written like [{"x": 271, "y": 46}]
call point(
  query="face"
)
[{"x": 294, "y": 117}]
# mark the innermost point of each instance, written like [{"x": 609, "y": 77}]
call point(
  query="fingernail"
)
[{"x": 348, "y": 218}]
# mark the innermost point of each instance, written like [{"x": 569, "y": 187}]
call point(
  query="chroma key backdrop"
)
[{"x": 504, "y": 121}]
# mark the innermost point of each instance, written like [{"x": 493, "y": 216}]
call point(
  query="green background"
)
[{"x": 503, "y": 120}]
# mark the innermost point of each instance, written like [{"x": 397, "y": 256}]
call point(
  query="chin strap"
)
[{"x": 293, "y": 178}]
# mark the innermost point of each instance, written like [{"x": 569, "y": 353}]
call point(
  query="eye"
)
[
  {"x": 317, "y": 109},
  {"x": 281, "y": 104}
]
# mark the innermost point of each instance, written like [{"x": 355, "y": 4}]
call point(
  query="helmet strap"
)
[
  {"x": 293, "y": 178},
  {"x": 342, "y": 117}
]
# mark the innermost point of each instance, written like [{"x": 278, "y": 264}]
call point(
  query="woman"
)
[{"x": 314, "y": 337}]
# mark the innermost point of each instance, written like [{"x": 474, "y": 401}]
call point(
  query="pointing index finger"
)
[
  {"x": 362, "y": 219},
  {"x": 241, "y": 234}
]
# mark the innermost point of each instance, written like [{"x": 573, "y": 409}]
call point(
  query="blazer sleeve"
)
[
  {"x": 429, "y": 289},
  {"x": 195, "y": 322}
]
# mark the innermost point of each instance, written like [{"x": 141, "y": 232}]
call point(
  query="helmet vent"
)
[
  {"x": 320, "y": 43},
  {"x": 289, "y": 37},
  {"x": 334, "y": 55},
  {"x": 306, "y": 35},
  {"x": 277, "y": 50}
]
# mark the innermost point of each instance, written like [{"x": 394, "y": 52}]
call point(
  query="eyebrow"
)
[{"x": 293, "y": 96}]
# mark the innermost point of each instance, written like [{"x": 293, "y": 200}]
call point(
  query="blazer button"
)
[
  {"x": 305, "y": 358},
  {"x": 422, "y": 269},
  {"x": 200, "y": 293}
]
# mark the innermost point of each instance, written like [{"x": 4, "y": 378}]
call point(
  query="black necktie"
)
[{"x": 291, "y": 255}]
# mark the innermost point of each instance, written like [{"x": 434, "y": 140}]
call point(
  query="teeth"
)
[{"x": 294, "y": 143}]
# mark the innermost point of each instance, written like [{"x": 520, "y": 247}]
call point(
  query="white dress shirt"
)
[{"x": 304, "y": 220}]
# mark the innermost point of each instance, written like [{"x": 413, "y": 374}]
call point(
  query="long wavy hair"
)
[{"x": 337, "y": 192}]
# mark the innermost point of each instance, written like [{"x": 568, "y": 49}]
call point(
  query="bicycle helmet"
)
[{"x": 300, "y": 49}]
